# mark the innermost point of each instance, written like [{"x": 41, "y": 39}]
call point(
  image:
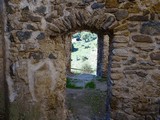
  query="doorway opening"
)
[
  {"x": 86, "y": 87},
  {"x": 84, "y": 53}
]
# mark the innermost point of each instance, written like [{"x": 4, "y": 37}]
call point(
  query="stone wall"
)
[{"x": 36, "y": 57}]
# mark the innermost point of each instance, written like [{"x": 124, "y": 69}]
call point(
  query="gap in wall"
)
[
  {"x": 84, "y": 53},
  {"x": 85, "y": 91}
]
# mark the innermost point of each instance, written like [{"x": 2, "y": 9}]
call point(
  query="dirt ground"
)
[{"x": 87, "y": 104}]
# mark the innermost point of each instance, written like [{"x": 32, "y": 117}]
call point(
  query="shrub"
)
[
  {"x": 86, "y": 68},
  {"x": 90, "y": 85}
]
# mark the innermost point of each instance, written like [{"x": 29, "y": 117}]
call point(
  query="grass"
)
[
  {"x": 69, "y": 84},
  {"x": 101, "y": 79},
  {"x": 91, "y": 85}
]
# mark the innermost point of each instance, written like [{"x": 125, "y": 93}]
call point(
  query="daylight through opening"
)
[{"x": 84, "y": 53}]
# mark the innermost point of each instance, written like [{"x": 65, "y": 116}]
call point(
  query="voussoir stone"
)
[
  {"x": 155, "y": 56},
  {"x": 142, "y": 38}
]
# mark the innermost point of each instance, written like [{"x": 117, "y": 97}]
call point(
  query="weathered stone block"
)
[
  {"x": 30, "y": 27},
  {"x": 41, "y": 36},
  {"x": 141, "y": 73},
  {"x": 97, "y": 5},
  {"x": 156, "y": 8},
  {"x": 156, "y": 76},
  {"x": 155, "y": 55},
  {"x": 145, "y": 47},
  {"x": 121, "y": 27},
  {"x": 35, "y": 18},
  {"x": 116, "y": 76},
  {"x": 41, "y": 10},
  {"x": 111, "y": 3},
  {"x": 51, "y": 56},
  {"x": 142, "y": 38},
  {"x": 23, "y": 35},
  {"x": 36, "y": 55},
  {"x": 120, "y": 39},
  {"x": 150, "y": 28},
  {"x": 138, "y": 18},
  {"x": 120, "y": 52},
  {"x": 121, "y": 14}
]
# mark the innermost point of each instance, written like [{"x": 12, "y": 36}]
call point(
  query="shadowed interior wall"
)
[{"x": 2, "y": 84}]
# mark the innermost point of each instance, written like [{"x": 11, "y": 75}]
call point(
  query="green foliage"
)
[
  {"x": 69, "y": 84},
  {"x": 86, "y": 68},
  {"x": 90, "y": 85}
]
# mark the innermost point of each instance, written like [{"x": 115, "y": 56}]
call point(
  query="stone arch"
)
[{"x": 78, "y": 20}]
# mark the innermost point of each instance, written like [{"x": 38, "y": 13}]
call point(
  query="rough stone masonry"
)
[{"x": 33, "y": 55}]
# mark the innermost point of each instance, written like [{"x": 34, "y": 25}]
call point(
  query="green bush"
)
[{"x": 90, "y": 85}]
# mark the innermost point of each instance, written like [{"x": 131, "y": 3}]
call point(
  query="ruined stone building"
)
[{"x": 34, "y": 42}]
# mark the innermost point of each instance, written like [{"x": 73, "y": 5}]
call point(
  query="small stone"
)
[
  {"x": 36, "y": 55},
  {"x": 111, "y": 3},
  {"x": 97, "y": 5},
  {"x": 11, "y": 38},
  {"x": 41, "y": 10},
  {"x": 30, "y": 27},
  {"x": 131, "y": 60},
  {"x": 155, "y": 56},
  {"x": 121, "y": 14},
  {"x": 120, "y": 39},
  {"x": 120, "y": 52},
  {"x": 51, "y": 56},
  {"x": 141, "y": 73},
  {"x": 41, "y": 36},
  {"x": 138, "y": 18},
  {"x": 145, "y": 47},
  {"x": 108, "y": 22},
  {"x": 116, "y": 76},
  {"x": 150, "y": 28},
  {"x": 35, "y": 18},
  {"x": 156, "y": 76},
  {"x": 23, "y": 35},
  {"x": 87, "y": 1},
  {"x": 100, "y": 1},
  {"x": 142, "y": 38}
]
